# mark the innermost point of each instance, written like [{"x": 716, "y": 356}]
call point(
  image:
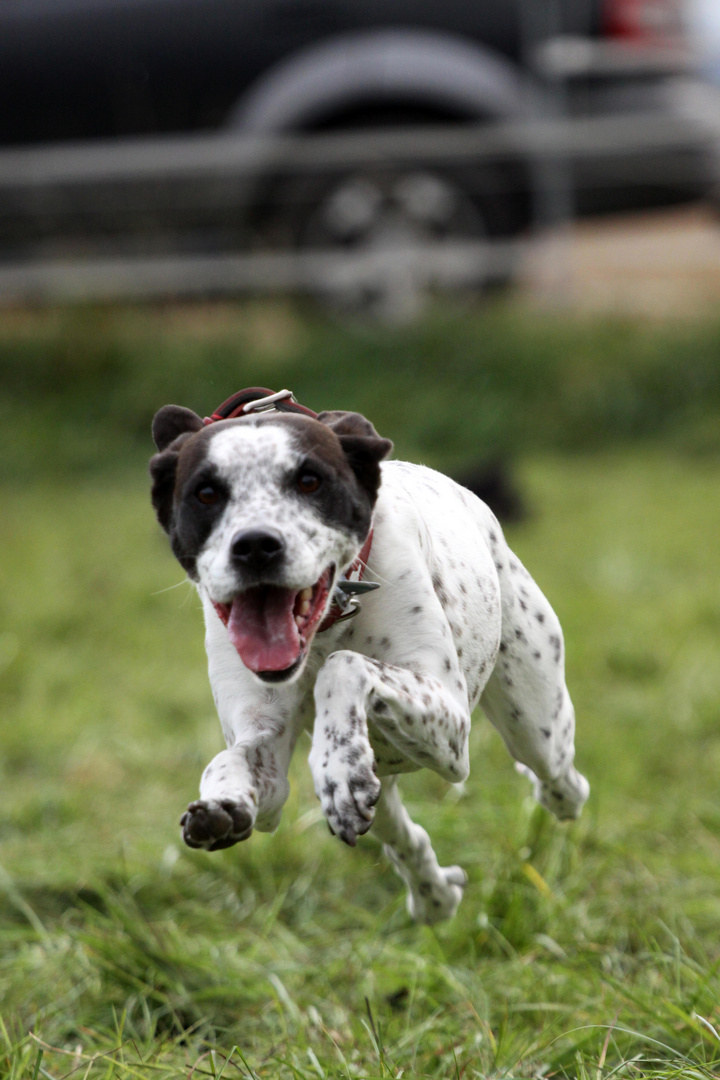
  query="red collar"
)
[
  {"x": 353, "y": 573},
  {"x": 257, "y": 399}
]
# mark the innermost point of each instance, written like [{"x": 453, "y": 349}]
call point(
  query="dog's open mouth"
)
[{"x": 272, "y": 627}]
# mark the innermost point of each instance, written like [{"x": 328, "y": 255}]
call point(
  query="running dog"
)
[{"x": 372, "y": 602}]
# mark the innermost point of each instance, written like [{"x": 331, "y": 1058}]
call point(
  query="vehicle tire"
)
[{"x": 394, "y": 237}]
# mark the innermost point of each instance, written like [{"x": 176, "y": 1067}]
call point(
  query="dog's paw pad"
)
[{"x": 214, "y": 825}]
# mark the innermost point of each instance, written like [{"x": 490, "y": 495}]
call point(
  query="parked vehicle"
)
[{"x": 88, "y": 71}]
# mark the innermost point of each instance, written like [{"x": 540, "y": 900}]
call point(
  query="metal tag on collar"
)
[
  {"x": 264, "y": 404},
  {"x": 350, "y": 608},
  {"x": 343, "y": 600},
  {"x": 344, "y": 596}
]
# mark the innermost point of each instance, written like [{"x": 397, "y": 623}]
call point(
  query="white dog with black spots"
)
[{"x": 267, "y": 512}]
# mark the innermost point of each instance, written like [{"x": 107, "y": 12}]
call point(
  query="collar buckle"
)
[{"x": 265, "y": 404}]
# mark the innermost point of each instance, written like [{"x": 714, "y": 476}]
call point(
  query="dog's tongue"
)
[{"x": 263, "y": 630}]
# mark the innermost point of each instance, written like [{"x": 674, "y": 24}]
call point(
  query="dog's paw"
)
[
  {"x": 346, "y": 783},
  {"x": 213, "y": 825},
  {"x": 437, "y": 899},
  {"x": 348, "y": 801},
  {"x": 564, "y": 796}
]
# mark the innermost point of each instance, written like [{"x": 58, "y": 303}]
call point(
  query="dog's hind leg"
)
[
  {"x": 526, "y": 698},
  {"x": 434, "y": 891}
]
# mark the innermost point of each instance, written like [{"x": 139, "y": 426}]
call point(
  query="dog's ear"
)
[
  {"x": 172, "y": 421},
  {"x": 171, "y": 427},
  {"x": 364, "y": 448},
  {"x": 163, "y": 467},
  {"x": 348, "y": 423}
]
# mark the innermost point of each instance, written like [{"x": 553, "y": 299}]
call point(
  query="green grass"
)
[
  {"x": 575, "y": 949},
  {"x": 588, "y": 951}
]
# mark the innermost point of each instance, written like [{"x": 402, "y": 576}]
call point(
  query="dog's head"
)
[{"x": 264, "y": 513}]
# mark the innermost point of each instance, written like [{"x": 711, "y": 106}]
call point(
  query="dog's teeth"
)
[
  {"x": 306, "y": 596},
  {"x": 298, "y": 621},
  {"x": 304, "y": 607}
]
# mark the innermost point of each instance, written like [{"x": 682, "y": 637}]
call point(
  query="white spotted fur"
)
[{"x": 457, "y": 622}]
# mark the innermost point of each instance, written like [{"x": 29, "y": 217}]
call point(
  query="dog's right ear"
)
[
  {"x": 172, "y": 421},
  {"x": 171, "y": 427}
]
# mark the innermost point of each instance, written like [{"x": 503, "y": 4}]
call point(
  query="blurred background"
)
[
  {"x": 252, "y": 177},
  {"x": 490, "y": 226},
  {"x": 370, "y": 155}
]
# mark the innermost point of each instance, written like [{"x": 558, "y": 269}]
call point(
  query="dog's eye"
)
[
  {"x": 308, "y": 482},
  {"x": 207, "y": 495}
]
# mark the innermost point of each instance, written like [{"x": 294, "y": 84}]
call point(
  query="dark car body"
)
[{"x": 76, "y": 69}]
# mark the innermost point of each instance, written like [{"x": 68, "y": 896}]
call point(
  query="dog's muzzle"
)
[{"x": 272, "y": 627}]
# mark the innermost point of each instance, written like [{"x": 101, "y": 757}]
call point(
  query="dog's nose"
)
[{"x": 257, "y": 549}]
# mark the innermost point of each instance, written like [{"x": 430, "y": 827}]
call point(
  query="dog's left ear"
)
[
  {"x": 348, "y": 423},
  {"x": 364, "y": 448}
]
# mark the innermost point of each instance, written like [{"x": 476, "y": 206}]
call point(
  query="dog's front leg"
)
[
  {"x": 342, "y": 761},
  {"x": 413, "y": 720},
  {"x": 244, "y": 787}
]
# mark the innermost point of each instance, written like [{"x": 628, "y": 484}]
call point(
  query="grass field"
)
[{"x": 587, "y": 951}]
